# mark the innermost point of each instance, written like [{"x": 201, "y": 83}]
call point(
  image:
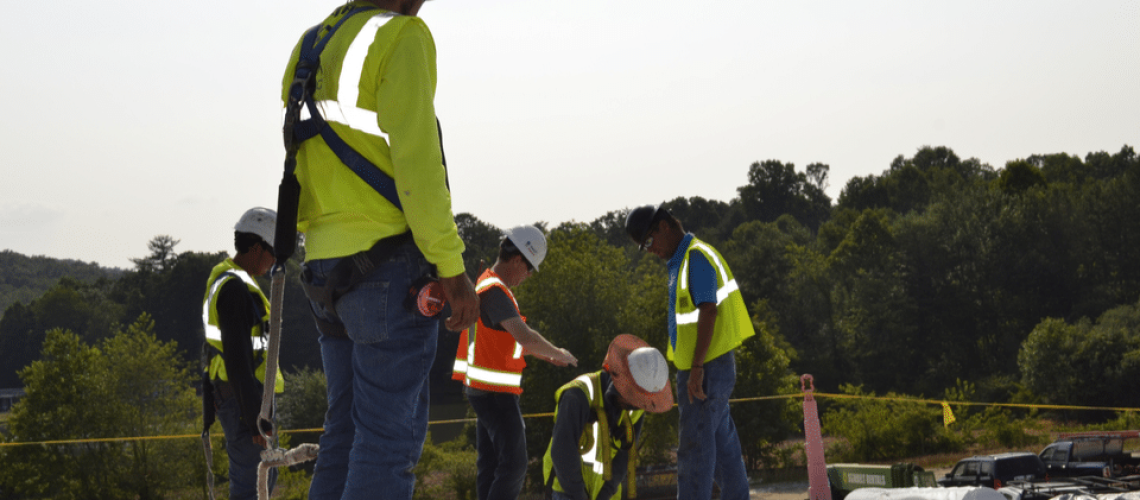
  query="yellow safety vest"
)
[
  {"x": 222, "y": 273},
  {"x": 597, "y": 445},
  {"x": 733, "y": 324}
]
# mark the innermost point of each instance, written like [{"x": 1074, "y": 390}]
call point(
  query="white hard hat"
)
[
  {"x": 530, "y": 241},
  {"x": 639, "y": 373},
  {"x": 259, "y": 221},
  {"x": 648, "y": 368}
]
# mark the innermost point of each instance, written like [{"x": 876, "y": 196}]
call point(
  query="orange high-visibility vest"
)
[{"x": 487, "y": 358}]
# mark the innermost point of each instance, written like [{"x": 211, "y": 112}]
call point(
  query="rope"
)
[
  {"x": 817, "y": 395},
  {"x": 209, "y": 462},
  {"x": 273, "y": 456},
  {"x": 276, "y": 311},
  {"x": 278, "y": 457}
]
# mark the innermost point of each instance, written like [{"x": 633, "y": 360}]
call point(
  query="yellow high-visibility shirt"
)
[{"x": 375, "y": 87}]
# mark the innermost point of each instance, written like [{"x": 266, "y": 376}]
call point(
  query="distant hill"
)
[{"x": 24, "y": 279}]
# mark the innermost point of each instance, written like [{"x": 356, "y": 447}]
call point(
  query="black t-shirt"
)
[{"x": 238, "y": 313}]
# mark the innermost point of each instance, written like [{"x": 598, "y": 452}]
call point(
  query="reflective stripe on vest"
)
[
  {"x": 475, "y": 364},
  {"x": 495, "y": 281},
  {"x": 212, "y": 331},
  {"x": 343, "y": 108},
  {"x": 590, "y": 457},
  {"x": 722, "y": 293}
]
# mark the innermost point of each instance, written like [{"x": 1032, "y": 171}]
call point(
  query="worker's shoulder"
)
[
  {"x": 233, "y": 288},
  {"x": 409, "y": 26}
]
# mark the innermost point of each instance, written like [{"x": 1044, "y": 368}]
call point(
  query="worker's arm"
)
[
  {"x": 536, "y": 344},
  {"x": 573, "y": 418},
  {"x": 702, "y": 278},
  {"x": 499, "y": 311},
  {"x": 236, "y": 318},
  {"x": 406, "y": 111}
]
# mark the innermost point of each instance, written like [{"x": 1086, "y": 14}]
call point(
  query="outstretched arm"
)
[{"x": 536, "y": 344}]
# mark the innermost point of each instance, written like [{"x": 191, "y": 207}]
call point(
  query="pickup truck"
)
[
  {"x": 995, "y": 471},
  {"x": 1097, "y": 453}
]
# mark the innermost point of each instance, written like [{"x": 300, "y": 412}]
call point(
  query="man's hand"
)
[
  {"x": 564, "y": 358},
  {"x": 460, "y": 293},
  {"x": 695, "y": 385}
]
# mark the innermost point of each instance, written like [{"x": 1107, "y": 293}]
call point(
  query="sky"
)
[{"x": 125, "y": 119}]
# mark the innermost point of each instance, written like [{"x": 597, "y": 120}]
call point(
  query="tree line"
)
[{"x": 1020, "y": 283}]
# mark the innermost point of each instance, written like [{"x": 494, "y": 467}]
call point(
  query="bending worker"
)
[
  {"x": 598, "y": 420},
  {"x": 235, "y": 313},
  {"x": 489, "y": 361},
  {"x": 375, "y": 210},
  {"x": 707, "y": 321}
]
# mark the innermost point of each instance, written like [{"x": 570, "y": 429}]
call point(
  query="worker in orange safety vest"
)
[{"x": 489, "y": 362}]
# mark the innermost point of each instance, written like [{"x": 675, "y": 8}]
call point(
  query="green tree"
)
[
  {"x": 20, "y": 341},
  {"x": 713, "y": 220},
  {"x": 757, "y": 254},
  {"x": 763, "y": 369},
  {"x": 875, "y": 314},
  {"x": 1058, "y": 360},
  {"x": 68, "y": 397},
  {"x": 482, "y": 243},
  {"x": 161, "y": 256},
  {"x": 24, "y": 278},
  {"x": 1018, "y": 176},
  {"x": 152, "y": 396},
  {"x": 84, "y": 308},
  {"x": 885, "y": 429},
  {"x": 1059, "y": 168},
  {"x": 912, "y": 183},
  {"x": 304, "y": 404},
  {"x": 775, "y": 189},
  {"x": 132, "y": 385}
]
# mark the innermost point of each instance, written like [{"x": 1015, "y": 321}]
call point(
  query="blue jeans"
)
[
  {"x": 377, "y": 384},
  {"x": 245, "y": 455},
  {"x": 500, "y": 438},
  {"x": 709, "y": 447}
]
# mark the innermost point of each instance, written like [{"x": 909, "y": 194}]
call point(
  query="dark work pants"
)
[{"x": 501, "y": 442}]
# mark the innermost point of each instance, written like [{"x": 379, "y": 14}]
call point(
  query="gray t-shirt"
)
[{"x": 495, "y": 307}]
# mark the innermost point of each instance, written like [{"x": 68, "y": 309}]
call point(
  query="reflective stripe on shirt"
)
[{"x": 343, "y": 109}]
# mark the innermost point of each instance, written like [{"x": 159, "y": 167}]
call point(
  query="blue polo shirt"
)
[{"x": 702, "y": 282}]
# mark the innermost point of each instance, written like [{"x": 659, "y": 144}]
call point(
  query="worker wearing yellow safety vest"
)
[
  {"x": 598, "y": 420},
  {"x": 707, "y": 321},
  {"x": 234, "y": 314},
  {"x": 489, "y": 361},
  {"x": 374, "y": 87}
]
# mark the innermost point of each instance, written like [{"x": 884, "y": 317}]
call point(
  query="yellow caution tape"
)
[{"x": 948, "y": 415}]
